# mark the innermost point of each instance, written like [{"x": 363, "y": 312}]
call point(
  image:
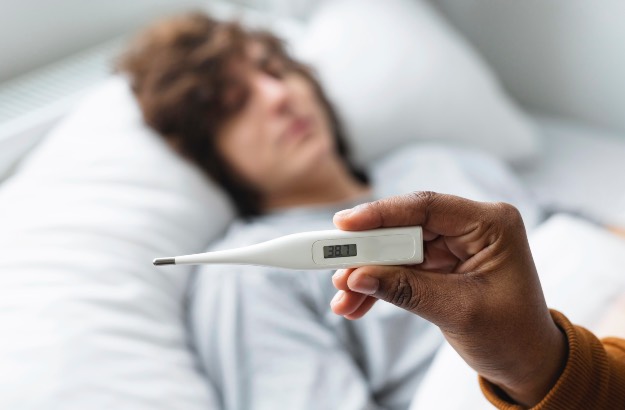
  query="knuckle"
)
[
  {"x": 399, "y": 209},
  {"x": 507, "y": 210},
  {"x": 377, "y": 208},
  {"x": 416, "y": 205},
  {"x": 426, "y": 197},
  {"x": 509, "y": 215},
  {"x": 404, "y": 291}
]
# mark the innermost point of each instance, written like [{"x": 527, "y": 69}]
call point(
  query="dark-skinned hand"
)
[{"x": 477, "y": 283}]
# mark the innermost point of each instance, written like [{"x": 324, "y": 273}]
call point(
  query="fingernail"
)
[
  {"x": 365, "y": 284},
  {"x": 337, "y": 298},
  {"x": 338, "y": 274},
  {"x": 344, "y": 212}
]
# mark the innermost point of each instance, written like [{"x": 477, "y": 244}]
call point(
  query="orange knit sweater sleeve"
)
[{"x": 593, "y": 378}]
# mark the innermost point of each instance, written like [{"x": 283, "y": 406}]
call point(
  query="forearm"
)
[{"x": 594, "y": 375}]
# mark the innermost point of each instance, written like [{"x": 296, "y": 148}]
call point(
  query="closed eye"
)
[{"x": 272, "y": 65}]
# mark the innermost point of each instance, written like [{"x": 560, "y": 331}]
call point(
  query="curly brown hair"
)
[{"x": 183, "y": 72}]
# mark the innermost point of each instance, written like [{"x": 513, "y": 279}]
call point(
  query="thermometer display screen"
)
[{"x": 339, "y": 251}]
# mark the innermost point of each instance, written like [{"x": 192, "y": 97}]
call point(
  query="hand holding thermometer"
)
[{"x": 331, "y": 249}]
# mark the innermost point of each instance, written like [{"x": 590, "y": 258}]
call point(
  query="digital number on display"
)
[{"x": 339, "y": 251}]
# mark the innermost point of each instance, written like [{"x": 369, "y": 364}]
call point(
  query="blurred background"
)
[
  {"x": 538, "y": 84},
  {"x": 560, "y": 59},
  {"x": 563, "y": 57}
]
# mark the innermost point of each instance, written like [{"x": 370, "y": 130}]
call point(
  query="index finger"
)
[{"x": 441, "y": 214}]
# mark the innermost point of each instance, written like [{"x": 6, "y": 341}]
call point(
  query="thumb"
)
[{"x": 437, "y": 297}]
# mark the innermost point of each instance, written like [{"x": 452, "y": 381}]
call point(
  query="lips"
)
[{"x": 298, "y": 128}]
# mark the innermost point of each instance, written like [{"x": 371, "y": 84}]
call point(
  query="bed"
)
[{"x": 89, "y": 323}]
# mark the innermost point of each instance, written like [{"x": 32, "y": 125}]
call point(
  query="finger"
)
[
  {"x": 434, "y": 296},
  {"x": 437, "y": 256},
  {"x": 346, "y": 302},
  {"x": 429, "y": 235},
  {"x": 363, "y": 309},
  {"x": 440, "y": 214},
  {"x": 339, "y": 279}
]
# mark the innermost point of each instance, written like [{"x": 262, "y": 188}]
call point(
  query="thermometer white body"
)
[{"x": 331, "y": 249}]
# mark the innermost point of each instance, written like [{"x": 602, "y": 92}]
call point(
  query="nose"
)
[{"x": 273, "y": 93}]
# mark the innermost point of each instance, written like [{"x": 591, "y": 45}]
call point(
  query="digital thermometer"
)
[{"x": 330, "y": 249}]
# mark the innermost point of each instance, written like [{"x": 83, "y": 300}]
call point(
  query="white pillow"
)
[
  {"x": 398, "y": 72},
  {"x": 16, "y": 140},
  {"x": 87, "y": 321}
]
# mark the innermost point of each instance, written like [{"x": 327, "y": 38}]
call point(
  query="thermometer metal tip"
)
[{"x": 164, "y": 261}]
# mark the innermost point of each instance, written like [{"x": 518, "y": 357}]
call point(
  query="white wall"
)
[
  {"x": 36, "y": 32},
  {"x": 563, "y": 57}
]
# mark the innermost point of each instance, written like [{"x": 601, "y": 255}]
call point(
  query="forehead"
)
[
  {"x": 264, "y": 48},
  {"x": 257, "y": 52}
]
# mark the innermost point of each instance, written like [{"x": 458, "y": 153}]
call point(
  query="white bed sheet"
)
[{"x": 580, "y": 169}]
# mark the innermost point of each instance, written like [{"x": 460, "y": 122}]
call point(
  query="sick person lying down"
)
[{"x": 234, "y": 102}]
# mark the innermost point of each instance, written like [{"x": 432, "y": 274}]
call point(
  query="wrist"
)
[{"x": 544, "y": 368}]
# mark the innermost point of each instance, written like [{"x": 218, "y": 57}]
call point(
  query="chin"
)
[
  {"x": 311, "y": 161},
  {"x": 319, "y": 150}
]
